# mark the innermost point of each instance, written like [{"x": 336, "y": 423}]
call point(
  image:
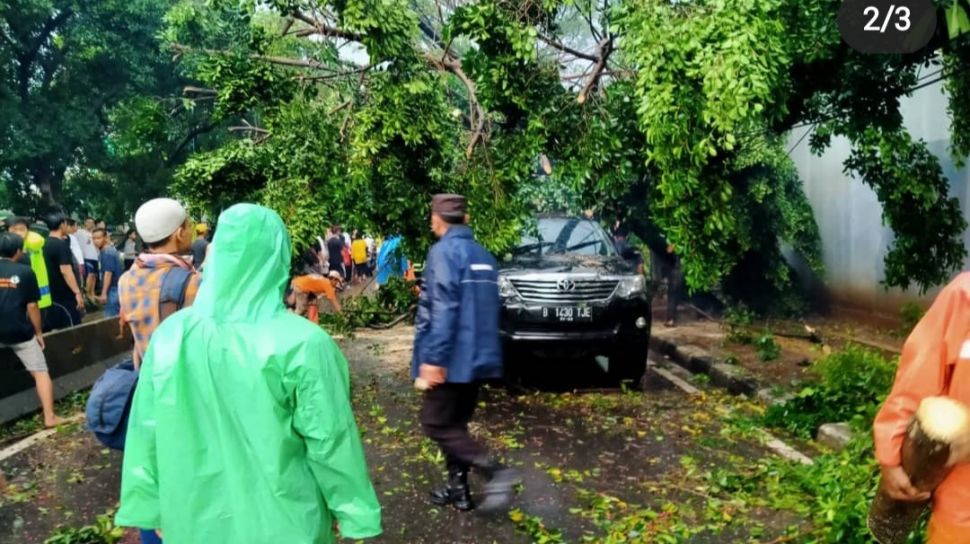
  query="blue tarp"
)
[{"x": 391, "y": 260}]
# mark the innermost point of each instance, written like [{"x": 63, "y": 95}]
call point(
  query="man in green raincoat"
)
[{"x": 241, "y": 427}]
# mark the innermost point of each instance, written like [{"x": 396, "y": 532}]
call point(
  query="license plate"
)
[{"x": 568, "y": 314}]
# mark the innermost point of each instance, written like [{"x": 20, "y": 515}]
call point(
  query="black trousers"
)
[{"x": 445, "y": 414}]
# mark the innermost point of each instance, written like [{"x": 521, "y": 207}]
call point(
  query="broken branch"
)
[
  {"x": 476, "y": 115},
  {"x": 605, "y": 48},
  {"x": 566, "y": 49},
  {"x": 189, "y": 89}
]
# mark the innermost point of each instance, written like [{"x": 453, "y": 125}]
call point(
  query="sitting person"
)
[{"x": 306, "y": 291}]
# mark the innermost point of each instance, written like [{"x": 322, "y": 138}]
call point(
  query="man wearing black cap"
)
[{"x": 456, "y": 345}]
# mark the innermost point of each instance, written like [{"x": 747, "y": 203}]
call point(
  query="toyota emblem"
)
[{"x": 566, "y": 286}]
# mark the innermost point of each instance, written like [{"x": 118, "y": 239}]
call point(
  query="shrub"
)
[
  {"x": 394, "y": 299},
  {"x": 835, "y": 492},
  {"x": 738, "y": 319},
  {"x": 849, "y": 386},
  {"x": 102, "y": 532},
  {"x": 768, "y": 349}
]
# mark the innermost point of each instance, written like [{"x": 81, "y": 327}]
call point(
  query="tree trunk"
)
[
  {"x": 48, "y": 182},
  {"x": 935, "y": 432}
]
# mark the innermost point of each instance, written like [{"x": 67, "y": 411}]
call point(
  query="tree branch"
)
[
  {"x": 588, "y": 15},
  {"x": 335, "y": 75},
  {"x": 605, "y": 48},
  {"x": 566, "y": 49},
  {"x": 249, "y": 128},
  {"x": 452, "y": 64},
  {"x": 189, "y": 89},
  {"x": 297, "y": 63},
  {"x": 476, "y": 115},
  {"x": 178, "y": 49},
  {"x": 287, "y": 25},
  {"x": 197, "y": 131},
  {"x": 319, "y": 27},
  {"x": 345, "y": 104},
  {"x": 25, "y": 58}
]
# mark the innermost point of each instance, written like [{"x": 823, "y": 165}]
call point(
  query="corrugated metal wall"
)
[{"x": 850, "y": 218}]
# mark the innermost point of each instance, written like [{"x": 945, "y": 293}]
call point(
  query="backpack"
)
[{"x": 109, "y": 405}]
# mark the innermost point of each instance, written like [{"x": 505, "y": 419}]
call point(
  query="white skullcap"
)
[{"x": 157, "y": 219}]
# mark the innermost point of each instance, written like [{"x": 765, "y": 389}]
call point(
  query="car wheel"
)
[{"x": 629, "y": 366}]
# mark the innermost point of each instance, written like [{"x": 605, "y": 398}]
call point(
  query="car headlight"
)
[
  {"x": 631, "y": 286},
  {"x": 505, "y": 287}
]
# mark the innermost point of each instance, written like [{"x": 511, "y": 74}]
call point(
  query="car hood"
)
[{"x": 577, "y": 264}]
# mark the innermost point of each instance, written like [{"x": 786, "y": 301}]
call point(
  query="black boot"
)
[
  {"x": 500, "y": 487},
  {"x": 456, "y": 493}
]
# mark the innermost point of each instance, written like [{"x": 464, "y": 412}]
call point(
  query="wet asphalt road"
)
[{"x": 594, "y": 457}]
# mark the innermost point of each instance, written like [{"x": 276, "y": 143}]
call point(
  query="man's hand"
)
[
  {"x": 102, "y": 299},
  {"x": 898, "y": 486},
  {"x": 40, "y": 342},
  {"x": 79, "y": 298},
  {"x": 432, "y": 375}
]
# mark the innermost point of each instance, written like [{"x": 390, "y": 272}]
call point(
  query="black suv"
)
[{"x": 566, "y": 292}]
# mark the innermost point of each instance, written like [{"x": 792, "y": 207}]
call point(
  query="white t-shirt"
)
[
  {"x": 76, "y": 249},
  {"x": 87, "y": 245}
]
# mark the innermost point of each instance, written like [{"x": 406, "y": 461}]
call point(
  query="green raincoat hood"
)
[
  {"x": 246, "y": 274},
  {"x": 241, "y": 428}
]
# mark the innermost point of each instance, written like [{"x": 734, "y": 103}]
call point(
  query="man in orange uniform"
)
[
  {"x": 314, "y": 285},
  {"x": 935, "y": 361}
]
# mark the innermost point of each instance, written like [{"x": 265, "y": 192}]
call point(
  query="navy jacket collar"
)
[{"x": 458, "y": 231}]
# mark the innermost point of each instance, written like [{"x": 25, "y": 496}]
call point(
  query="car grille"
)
[{"x": 550, "y": 291}]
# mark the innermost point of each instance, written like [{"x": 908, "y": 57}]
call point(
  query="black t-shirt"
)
[
  {"x": 57, "y": 252},
  {"x": 18, "y": 288},
  {"x": 335, "y": 246}
]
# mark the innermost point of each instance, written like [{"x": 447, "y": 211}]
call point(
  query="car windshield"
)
[{"x": 564, "y": 236}]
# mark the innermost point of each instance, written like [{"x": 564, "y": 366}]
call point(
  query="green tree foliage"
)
[
  {"x": 716, "y": 75},
  {"x": 909, "y": 182},
  {"x": 671, "y": 115},
  {"x": 66, "y": 65}
]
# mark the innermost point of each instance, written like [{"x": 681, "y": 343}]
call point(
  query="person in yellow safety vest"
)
[{"x": 34, "y": 252}]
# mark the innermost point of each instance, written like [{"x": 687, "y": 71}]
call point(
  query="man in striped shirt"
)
[{"x": 164, "y": 226}]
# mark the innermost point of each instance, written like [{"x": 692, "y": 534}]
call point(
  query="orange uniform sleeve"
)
[
  {"x": 924, "y": 367},
  {"x": 317, "y": 286}
]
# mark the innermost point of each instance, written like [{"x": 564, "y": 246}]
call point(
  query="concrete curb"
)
[
  {"x": 697, "y": 360},
  {"x": 835, "y": 435},
  {"x": 738, "y": 381}
]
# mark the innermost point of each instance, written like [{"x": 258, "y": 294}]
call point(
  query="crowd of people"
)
[
  {"x": 227, "y": 347},
  {"x": 241, "y": 428},
  {"x": 333, "y": 261},
  {"x": 52, "y": 272}
]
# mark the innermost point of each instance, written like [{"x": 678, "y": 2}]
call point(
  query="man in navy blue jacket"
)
[{"x": 456, "y": 345}]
